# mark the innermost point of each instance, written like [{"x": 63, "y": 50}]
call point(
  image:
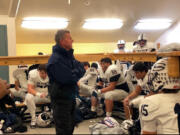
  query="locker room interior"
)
[{"x": 18, "y": 40}]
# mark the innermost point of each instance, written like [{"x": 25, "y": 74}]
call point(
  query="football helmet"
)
[
  {"x": 158, "y": 78},
  {"x": 44, "y": 119},
  {"x": 23, "y": 66},
  {"x": 121, "y": 44},
  {"x": 125, "y": 125},
  {"x": 142, "y": 40},
  {"x": 142, "y": 37}
]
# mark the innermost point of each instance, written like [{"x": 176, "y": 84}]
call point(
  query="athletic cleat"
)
[{"x": 90, "y": 115}]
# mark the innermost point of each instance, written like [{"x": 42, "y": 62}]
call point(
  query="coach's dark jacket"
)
[{"x": 64, "y": 72}]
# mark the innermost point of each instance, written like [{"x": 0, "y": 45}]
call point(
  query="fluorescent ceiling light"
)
[
  {"x": 44, "y": 23},
  {"x": 153, "y": 24},
  {"x": 102, "y": 24}
]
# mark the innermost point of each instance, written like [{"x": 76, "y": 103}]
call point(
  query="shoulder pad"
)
[
  {"x": 113, "y": 67},
  {"x": 17, "y": 71},
  {"x": 92, "y": 71},
  {"x": 33, "y": 73},
  {"x": 87, "y": 71},
  {"x": 149, "y": 108},
  {"x": 113, "y": 70}
]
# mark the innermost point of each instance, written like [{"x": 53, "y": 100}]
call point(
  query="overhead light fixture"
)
[
  {"x": 153, "y": 24},
  {"x": 44, "y": 23},
  {"x": 102, "y": 24}
]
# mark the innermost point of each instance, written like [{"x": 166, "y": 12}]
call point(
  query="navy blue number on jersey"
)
[
  {"x": 177, "y": 111},
  {"x": 144, "y": 109},
  {"x": 114, "y": 72}
]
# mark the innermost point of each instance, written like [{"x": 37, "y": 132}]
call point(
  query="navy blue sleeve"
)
[
  {"x": 78, "y": 69},
  {"x": 114, "y": 78}
]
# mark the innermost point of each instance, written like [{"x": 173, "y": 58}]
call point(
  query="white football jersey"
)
[
  {"x": 20, "y": 75},
  {"x": 143, "y": 83},
  {"x": 111, "y": 72},
  {"x": 159, "y": 113},
  {"x": 41, "y": 85},
  {"x": 90, "y": 77}
]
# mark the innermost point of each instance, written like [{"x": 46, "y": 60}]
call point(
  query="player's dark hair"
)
[
  {"x": 86, "y": 63},
  {"x": 106, "y": 60},
  {"x": 140, "y": 67},
  {"x": 95, "y": 65},
  {"x": 42, "y": 67}
]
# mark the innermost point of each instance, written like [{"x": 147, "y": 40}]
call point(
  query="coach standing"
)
[{"x": 63, "y": 77}]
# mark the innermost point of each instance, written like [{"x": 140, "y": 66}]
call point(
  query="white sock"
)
[
  {"x": 108, "y": 114},
  {"x": 93, "y": 108}
]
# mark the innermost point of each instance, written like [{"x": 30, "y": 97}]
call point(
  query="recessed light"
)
[
  {"x": 153, "y": 24},
  {"x": 44, "y": 23},
  {"x": 102, "y": 24}
]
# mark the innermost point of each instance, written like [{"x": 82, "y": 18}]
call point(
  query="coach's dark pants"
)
[{"x": 63, "y": 113}]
